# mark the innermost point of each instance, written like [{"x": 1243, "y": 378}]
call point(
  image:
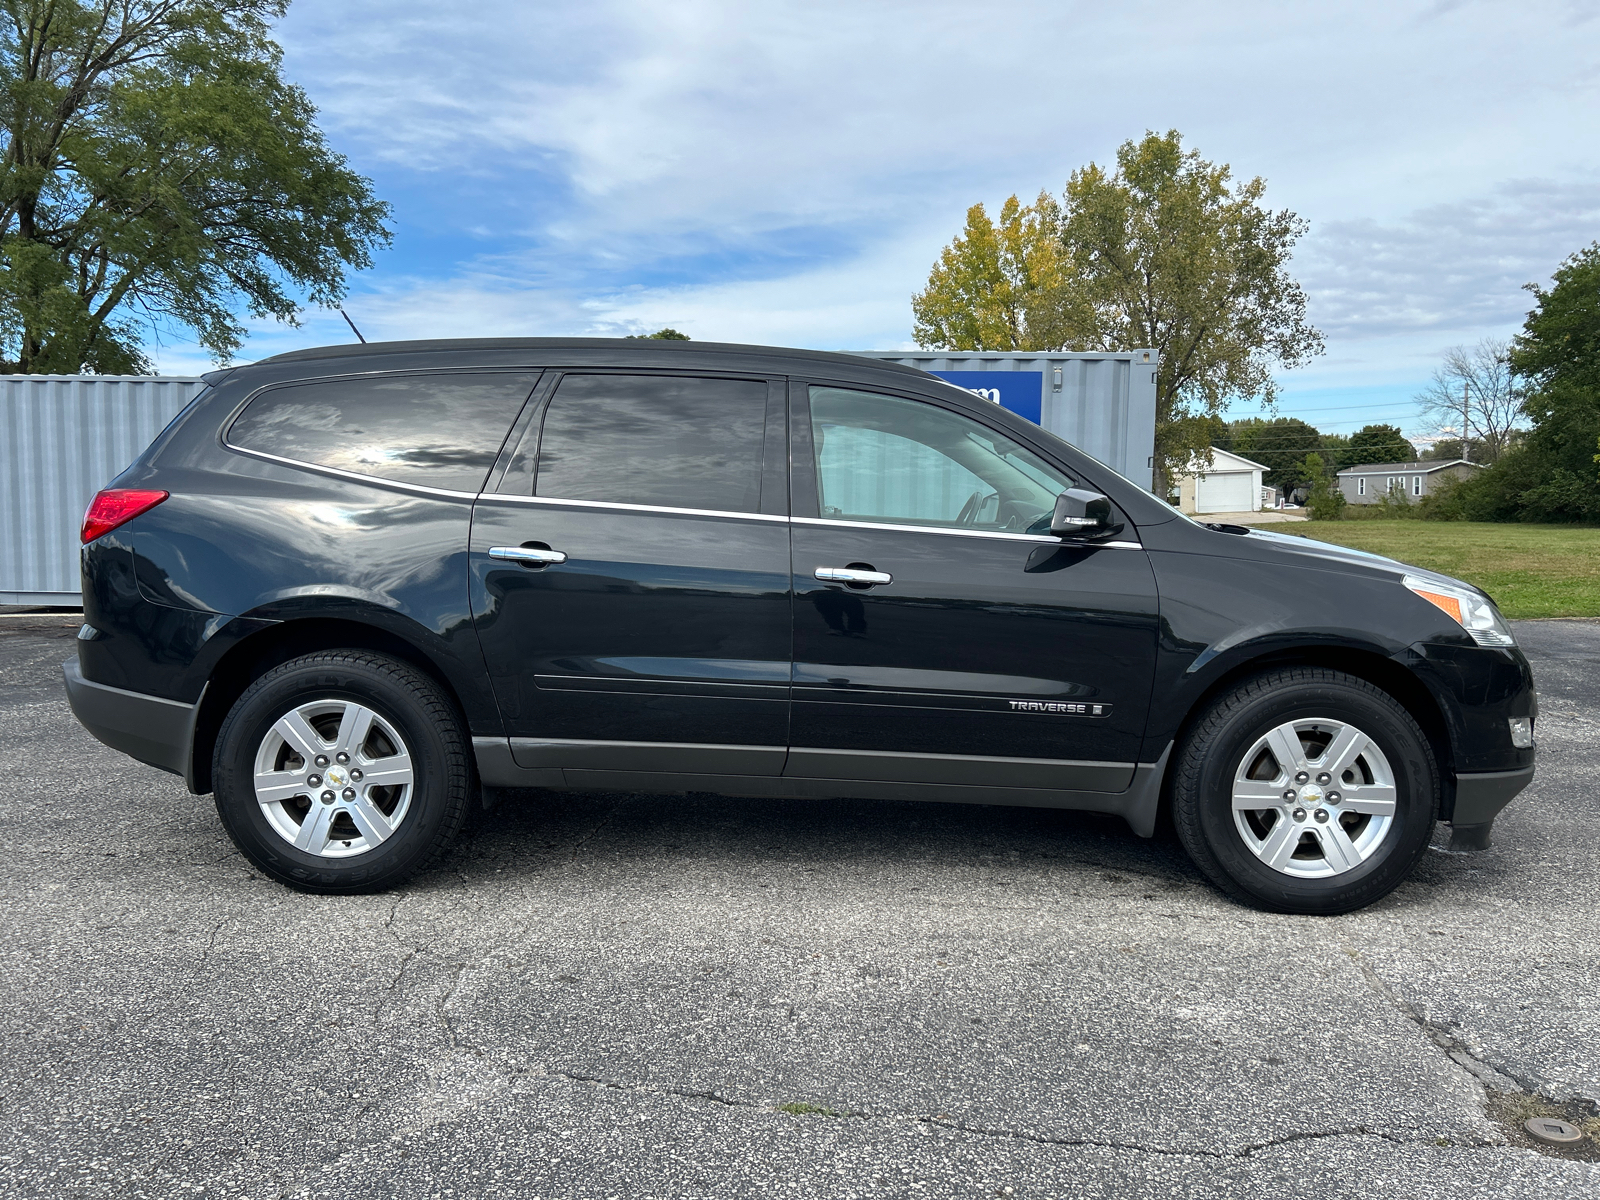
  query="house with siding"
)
[
  {"x": 1219, "y": 481},
  {"x": 1370, "y": 482}
]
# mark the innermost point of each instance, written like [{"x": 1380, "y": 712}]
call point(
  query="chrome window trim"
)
[
  {"x": 829, "y": 522},
  {"x": 647, "y": 508},
  {"x": 424, "y": 490},
  {"x": 1042, "y": 539},
  {"x": 357, "y": 476}
]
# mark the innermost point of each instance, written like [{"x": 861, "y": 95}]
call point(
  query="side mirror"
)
[{"x": 1083, "y": 516}]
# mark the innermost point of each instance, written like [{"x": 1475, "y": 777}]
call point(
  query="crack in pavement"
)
[
  {"x": 212, "y": 941},
  {"x": 401, "y": 973},
  {"x": 1496, "y": 1083},
  {"x": 1243, "y": 1152},
  {"x": 593, "y": 833},
  {"x": 1171, "y": 1151},
  {"x": 685, "y": 1093},
  {"x": 444, "y": 1020},
  {"x": 1455, "y": 1049}
]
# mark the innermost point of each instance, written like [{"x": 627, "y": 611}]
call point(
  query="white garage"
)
[{"x": 1226, "y": 483}]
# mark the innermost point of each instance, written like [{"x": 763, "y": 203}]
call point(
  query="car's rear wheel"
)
[
  {"x": 1306, "y": 790},
  {"x": 342, "y": 771}
]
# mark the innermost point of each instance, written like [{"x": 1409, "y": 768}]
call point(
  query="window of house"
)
[
  {"x": 1361, "y": 485},
  {"x": 1416, "y": 485},
  {"x": 439, "y": 429}
]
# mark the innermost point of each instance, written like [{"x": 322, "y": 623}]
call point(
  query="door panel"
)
[
  {"x": 992, "y": 656},
  {"x": 661, "y": 640},
  {"x": 979, "y": 646}
]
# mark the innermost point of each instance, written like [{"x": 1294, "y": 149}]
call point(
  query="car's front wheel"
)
[
  {"x": 342, "y": 771},
  {"x": 1306, "y": 790}
]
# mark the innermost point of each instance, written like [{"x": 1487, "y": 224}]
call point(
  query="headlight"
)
[{"x": 1474, "y": 613}]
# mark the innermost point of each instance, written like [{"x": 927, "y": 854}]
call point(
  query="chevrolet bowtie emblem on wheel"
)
[{"x": 1061, "y": 708}]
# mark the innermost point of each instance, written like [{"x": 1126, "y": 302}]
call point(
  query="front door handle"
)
[
  {"x": 527, "y": 556},
  {"x": 852, "y": 575}
]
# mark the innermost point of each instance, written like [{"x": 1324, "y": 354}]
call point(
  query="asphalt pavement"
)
[{"x": 631, "y": 996}]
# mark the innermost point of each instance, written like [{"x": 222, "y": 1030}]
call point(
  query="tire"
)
[
  {"x": 1306, "y": 839},
  {"x": 363, "y": 822}
]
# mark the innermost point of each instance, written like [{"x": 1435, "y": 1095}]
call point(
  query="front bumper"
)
[
  {"x": 1479, "y": 799},
  {"x": 153, "y": 730}
]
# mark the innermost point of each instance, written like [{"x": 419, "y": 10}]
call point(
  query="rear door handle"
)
[
  {"x": 532, "y": 558},
  {"x": 852, "y": 575}
]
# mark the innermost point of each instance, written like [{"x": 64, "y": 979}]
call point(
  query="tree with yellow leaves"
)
[{"x": 1165, "y": 252}]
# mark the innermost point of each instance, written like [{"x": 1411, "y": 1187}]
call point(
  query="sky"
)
[{"x": 787, "y": 173}]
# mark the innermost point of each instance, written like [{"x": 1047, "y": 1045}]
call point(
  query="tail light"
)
[{"x": 117, "y": 506}]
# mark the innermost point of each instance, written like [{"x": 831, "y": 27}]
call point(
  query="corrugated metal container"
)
[
  {"x": 1104, "y": 404},
  {"x": 63, "y": 438}
]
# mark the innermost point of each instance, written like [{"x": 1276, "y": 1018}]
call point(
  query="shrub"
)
[
  {"x": 1445, "y": 501},
  {"x": 1325, "y": 502},
  {"x": 1395, "y": 505}
]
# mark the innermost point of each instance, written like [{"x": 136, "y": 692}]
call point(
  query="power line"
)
[{"x": 1389, "y": 404}]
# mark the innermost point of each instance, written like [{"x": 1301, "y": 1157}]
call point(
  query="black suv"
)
[{"x": 348, "y": 587}]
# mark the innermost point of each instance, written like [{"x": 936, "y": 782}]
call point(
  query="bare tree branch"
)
[{"x": 1475, "y": 397}]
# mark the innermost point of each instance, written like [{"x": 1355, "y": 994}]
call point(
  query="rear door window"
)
[
  {"x": 439, "y": 430},
  {"x": 661, "y": 440}
]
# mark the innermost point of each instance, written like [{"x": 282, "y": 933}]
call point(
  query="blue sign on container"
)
[{"x": 1020, "y": 391}]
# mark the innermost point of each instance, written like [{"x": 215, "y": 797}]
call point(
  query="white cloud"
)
[
  {"x": 787, "y": 171},
  {"x": 1447, "y": 273}
]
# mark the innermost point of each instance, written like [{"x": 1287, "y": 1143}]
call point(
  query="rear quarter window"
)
[{"x": 438, "y": 430}]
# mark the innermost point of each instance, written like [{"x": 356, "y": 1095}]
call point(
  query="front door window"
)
[{"x": 886, "y": 460}]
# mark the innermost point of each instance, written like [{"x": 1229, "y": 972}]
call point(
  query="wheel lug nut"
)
[
  {"x": 1334, "y": 797},
  {"x": 327, "y": 797},
  {"x": 313, "y": 780},
  {"x": 343, "y": 757},
  {"x": 1301, "y": 777},
  {"x": 350, "y": 794},
  {"x": 322, "y": 760},
  {"x": 1324, "y": 778},
  {"x": 1322, "y": 815},
  {"x": 1299, "y": 814},
  {"x": 356, "y": 775},
  {"x": 1289, "y": 794}
]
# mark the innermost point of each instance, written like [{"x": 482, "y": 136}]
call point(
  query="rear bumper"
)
[
  {"x": 153, "y": 730},
  {"x": 1479, "y": 799}
]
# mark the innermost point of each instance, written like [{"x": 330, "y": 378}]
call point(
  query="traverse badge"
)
[{"x": 1061, "y": 708}]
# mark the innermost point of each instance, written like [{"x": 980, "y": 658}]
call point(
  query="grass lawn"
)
[{"x": 1530, "y": 570}]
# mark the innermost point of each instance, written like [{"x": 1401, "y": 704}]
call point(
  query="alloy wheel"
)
[
  {"x": 333, "y": 778},
  {"x": 1314, "y": 798}
]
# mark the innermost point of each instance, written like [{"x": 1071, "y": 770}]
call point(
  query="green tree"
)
[
  {"x": 669, "y": 334},
  {"x": 1378, "y": 444},
  {"x": 159, "y": 173},
  {"x": 1555, "y": 474},
  {"x": 1325, "y": 502},
  {"x": 980, "y": 290},
  {"x": 1164, "y": 252},
  {"x": 1280, "y": 444}
]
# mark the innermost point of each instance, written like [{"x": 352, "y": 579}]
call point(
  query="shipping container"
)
[
  {"x": 1104, "y": 404},
  {"x": 63, "y": 438}
]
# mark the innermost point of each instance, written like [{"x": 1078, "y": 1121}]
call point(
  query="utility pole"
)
[{"x": 1464, "y": 419}]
